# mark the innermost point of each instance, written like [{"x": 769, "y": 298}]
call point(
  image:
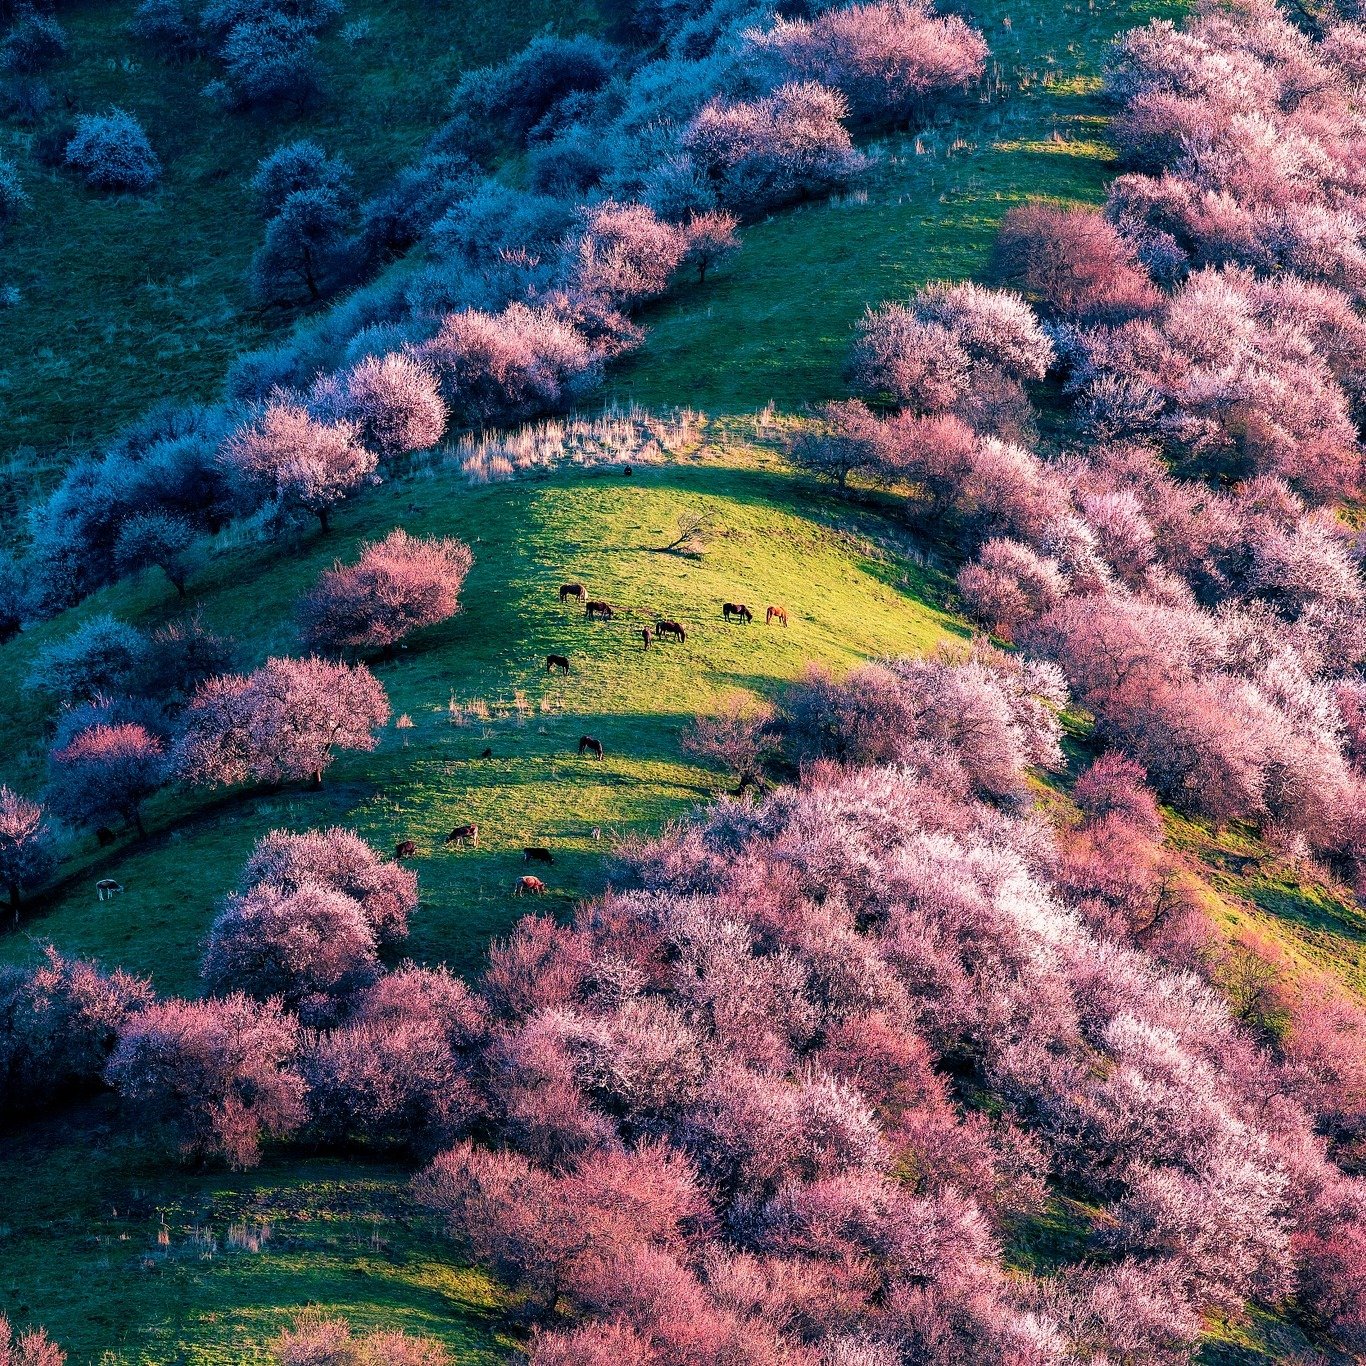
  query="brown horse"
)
[
  {"x": 405, "y": 849},
  {"x": 596, "y": 609},
  {"x": 775, "y": 614},
  {"x": 588, "y": 745},
  {"x": 528, "y": 886},
  {"x": 670, "y": 628},
  {"x": 646, "y": 636},
  {"x": 535, "y": 854},
  {"x": 553, "y": 662},
  {"x": 464, "y": 834},
  {"x": 572, "y": 590},
  {"x": 737, "y": 609}
]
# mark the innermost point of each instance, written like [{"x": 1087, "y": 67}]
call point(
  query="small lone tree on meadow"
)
[
  {"x": 737, "y": 737},
  {"x": 158, "y": 539},
  {"x": 106, "y": 772},
  {"x": 111, "y": 152},
  {"x": 398, "y": 586},
  {"x": 36, "y": 42},
  {"x": 710, "y": 239},
  {"x": 283, "y": 723},
  {"x": 304, "y": 464},
  {"x": 14, "y": 199},
  {"x": 26, "y": 845}
]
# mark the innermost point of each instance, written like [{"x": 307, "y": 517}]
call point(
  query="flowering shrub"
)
[{"x": 111, "y": 152}]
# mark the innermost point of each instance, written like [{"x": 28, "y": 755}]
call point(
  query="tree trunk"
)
[
  {"x": 323, "y": 515},
  {"x": 137, "y": 823},
  {"x": 317, "y": 779},
  {"x": 14, "y": 900}
]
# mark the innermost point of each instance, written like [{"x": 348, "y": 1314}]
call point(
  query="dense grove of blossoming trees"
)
[{"x": 786, "y": 1095}]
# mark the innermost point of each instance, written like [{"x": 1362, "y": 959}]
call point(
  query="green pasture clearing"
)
[
  {"x": 127, "y": 301},
  {"x": 841, "y": 570},
  {"x": 130, "y": 1262}
]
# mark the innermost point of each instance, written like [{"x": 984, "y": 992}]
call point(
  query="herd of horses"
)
[
  {"x": 468, "y": 835},
  {"x": 597, "y": 609}
]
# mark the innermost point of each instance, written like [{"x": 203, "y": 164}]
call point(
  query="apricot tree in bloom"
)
[
  {"x": 289, "y": 456},
  {"x": 26, "y": 852},
  {"x": 216, "y": 1076},
  {"x": 283, "y": 723},
  {"x": 337, "y": 860},
  {"x": 399, "y": 585},
  {"x": 106, "y": 772}
]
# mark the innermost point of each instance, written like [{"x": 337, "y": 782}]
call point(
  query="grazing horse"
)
[
  {"x": 107, "y": 887},
  {"x": 105, "y": 836},
  {"x": 553, "y": 662},
  {"x": 588, "y": 745},
  {"x": 464, "y": 834},
  {"x": 737, "y": 609},
  {"x": 404, "y": 849},
  {"x": 670, "y": 628},
  {"x": 534, "y": 854},
  {"x": 528, "y": 886},
  {"x": 646, "y": 636},
  {"x": 775, "y": 614},
  {"x": 597, "y": 609},
  {"x": 572, "y": 590}
]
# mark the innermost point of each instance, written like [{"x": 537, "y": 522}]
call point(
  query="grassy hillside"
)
[
  {"x": 780, "y": 314},
  {"x": 130, "y": 300},
  {"x": 129, "y": 1263},
  {"x": 479, "y": 682}
]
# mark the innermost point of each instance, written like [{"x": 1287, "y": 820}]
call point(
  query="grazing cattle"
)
[
  {"x": 488, "y": 753},
  {"x": 405, "y": 849},
  {"x": 646, "y": 636},
  {"x": 670, "y": 628},
  {"x": 105, "y": 836},
  {"x": 464, "y": 834},
  {"x": 597, "y": 609},
  {"x": 737, "y": 609},
  {"x": 572, "y": 590},
  {"x": 775, "y": 614},
  {"x": 107, "y": 887},
  {"x": 534, "y": 854},
  {"x": 529, "y": 886},
  {"x": 588, "y": 745},
  {"x": 553, "y": 662}
]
